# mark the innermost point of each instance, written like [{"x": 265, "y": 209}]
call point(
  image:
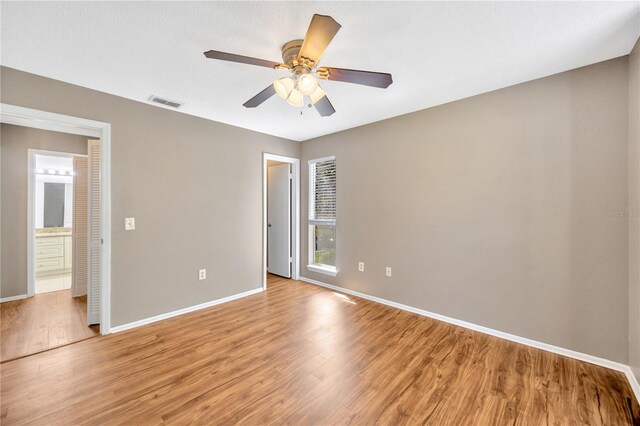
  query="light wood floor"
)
[
  {"x": 42, "y": 322},
  {"x": 300, "y": 354}
]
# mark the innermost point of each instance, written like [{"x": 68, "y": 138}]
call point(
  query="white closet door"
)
[
  {"x": 95, "y": 236},
  {"x": 79, "y": 236},
  {"x": 279, "y": 220}
]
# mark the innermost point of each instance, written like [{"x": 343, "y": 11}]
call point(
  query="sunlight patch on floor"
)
[{"x": 344, "y": 298}]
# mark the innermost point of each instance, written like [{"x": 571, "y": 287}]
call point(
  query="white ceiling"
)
[{"x": 438, "y": 52}]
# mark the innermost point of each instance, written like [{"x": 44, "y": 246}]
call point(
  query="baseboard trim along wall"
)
[
  {"x": 183, "y": 311},
  {"x": 633, "y": 382},
  {"x": 10, "y": 298}
]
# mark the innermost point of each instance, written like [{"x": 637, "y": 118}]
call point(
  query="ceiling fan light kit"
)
[
  {"x": 284, "y": 86},
  {"x": 317, "y": 95},
  {"x": 307, "y": 84},
  {"x": 295, "y": 98},
  {"x": 301, "y": 58}
]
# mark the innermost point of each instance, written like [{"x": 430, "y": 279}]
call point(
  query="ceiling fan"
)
[{"x": 301, "y": 58}]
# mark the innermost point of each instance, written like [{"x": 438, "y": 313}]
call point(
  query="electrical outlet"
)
[
  {"x": 202, "y": 274},
  {"x": 129, "y": 223},
  {"x": 361, "y": 266},
  {"x": 388, "y": 271}
]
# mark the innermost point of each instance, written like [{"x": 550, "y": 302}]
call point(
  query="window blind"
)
[{"x": 322, "y": 192}]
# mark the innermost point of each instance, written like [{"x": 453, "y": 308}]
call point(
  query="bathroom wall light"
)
[{"x": 55, "y": 172}]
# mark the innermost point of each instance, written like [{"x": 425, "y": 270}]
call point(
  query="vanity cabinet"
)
[
  {"x": 53, "y": 254},
  {"x": 68, "y": 253}
]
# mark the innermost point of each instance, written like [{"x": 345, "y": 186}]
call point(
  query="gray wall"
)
[
  {"x": 634, "y": 208},
  {"x": 193, "y": 185},
  {"x": 15, "y": 142},
  {"x": 501, "y": 209}
]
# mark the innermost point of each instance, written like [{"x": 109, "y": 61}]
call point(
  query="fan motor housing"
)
[{"x": 290, "y": 52}]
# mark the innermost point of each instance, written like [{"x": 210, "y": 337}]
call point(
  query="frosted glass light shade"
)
[
  {"x": 295, "y": 98},
  {"x": 307, "y": 84},
  {"x": 283, "y": 86},
  {"x": 317, "y": 95}
]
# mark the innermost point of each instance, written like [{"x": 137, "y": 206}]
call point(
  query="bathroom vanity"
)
[{"x": 53, "y": 252}]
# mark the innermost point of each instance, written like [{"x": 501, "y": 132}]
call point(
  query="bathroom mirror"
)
[{"x": 53, "y": 206}]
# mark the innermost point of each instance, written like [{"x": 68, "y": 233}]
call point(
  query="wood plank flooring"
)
[
  {"x": 42, "y": 322},
  {"x": 300, "y": 354}
]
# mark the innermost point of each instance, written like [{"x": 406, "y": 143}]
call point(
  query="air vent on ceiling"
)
[{"x": 165, "y": 102}]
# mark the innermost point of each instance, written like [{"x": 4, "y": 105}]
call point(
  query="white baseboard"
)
[
  {"x": 182, "y": 311},
  {"x": 512, "y": 337},
  {"x": 10, "y": 298},
  {"x": 633, "y": 382}
]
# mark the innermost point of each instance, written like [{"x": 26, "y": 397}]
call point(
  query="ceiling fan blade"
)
[
  {"x": 223, "y": 56},
  {"x": 268, "y": 92},
  {"x": 324, "y": 107},
  {"x": 321, "y": 31},
  {"x": 367, "y": 78}
]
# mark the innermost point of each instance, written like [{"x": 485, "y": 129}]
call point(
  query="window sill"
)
[{"x": 323, "y": 269}]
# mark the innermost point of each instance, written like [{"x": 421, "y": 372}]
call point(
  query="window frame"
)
[{"x": 312, "y": 223}]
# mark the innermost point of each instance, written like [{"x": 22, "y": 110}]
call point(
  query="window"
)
[{"x": 322, "y": 215}]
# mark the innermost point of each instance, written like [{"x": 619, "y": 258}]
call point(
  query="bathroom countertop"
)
[{"x": 52, "y": 232}]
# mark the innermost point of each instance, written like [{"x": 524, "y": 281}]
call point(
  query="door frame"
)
[
  {"x": 44, "y": 120},
  {"x": 31, "y": 213},
  {"x": 295, "y": 213}
]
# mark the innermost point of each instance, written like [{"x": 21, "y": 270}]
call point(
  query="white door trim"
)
[
  {"x": 28, "y": 117},
  {"x": 279, "y": 220},
  {"x": 295, "y": 203}
]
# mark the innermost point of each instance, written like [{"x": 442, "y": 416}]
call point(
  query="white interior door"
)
[
  {"x": 79, "y": 235},
  {"x": 279, "y": 220},
  {"x": 95, "y": 235}
]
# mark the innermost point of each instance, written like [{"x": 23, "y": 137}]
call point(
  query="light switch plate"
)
[
  {"x": 361, "y": 266},
  {"x": 202, "y": 274},
  {"x": 129, "y": 223},
  {"x": 388, "y": 271}
]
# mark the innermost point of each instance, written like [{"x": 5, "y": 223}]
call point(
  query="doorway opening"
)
[
  {"x": 56, "y": 205},
  {"x": 281, "y": 216},
  {"x": 55, "y": 285}
]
